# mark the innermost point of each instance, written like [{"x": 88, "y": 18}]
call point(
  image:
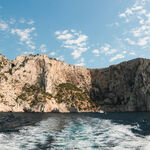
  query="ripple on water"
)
[{"x": 76, "y": 132}]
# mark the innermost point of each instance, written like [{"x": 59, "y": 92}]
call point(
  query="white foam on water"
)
[
  {"x": 89, "y": 133},
  {"x": 104, "y": 134},
  {"x": 28, "y": 137}
]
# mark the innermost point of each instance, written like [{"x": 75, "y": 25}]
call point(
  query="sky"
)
[{"x": 90, "y": 33}]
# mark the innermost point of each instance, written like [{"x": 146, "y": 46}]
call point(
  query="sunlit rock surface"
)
[{"x": 37, "y": 83}]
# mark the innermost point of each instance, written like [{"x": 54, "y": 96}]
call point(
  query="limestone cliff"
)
[
  {"x": 38, "y": 83},
  {"x": 122, "y": 87}
]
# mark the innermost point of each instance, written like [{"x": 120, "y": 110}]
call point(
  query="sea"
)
[{"x": 69, "y": 131}]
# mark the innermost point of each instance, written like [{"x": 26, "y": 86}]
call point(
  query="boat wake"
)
[{"x": 77, "y": 132}]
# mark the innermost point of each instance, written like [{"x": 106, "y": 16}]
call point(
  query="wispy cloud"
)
[
  {"x": 12, "y": 21},
  {"x": 135, "y": 35},
  {"x": 28, "y": 52},
  {"x": 81, "y": 62},
  {"x": 43, "y": 48},
  {"x": 132, "y": 53},
  {"x": 25, "y": 36},
  {"x": 61, "y": 58},
  {"x": 143, "y": 41},
  {"x": 138, "y": 16},
  {"x": 3, "y": 25},
  {"x": 73, "y": 40},
  {"x": 26, "y": 21},
  {"x": 52, "y": 53},
  {"x": 130, "y": 41},
  {"x": 118, "y": 56},
  {"x": 22, "y": 20},
  {"x": 107, "y": 49},
  {"x": 96, "y": 52},
  {"x": 64, "y": 35},
  {"x": 31, "y": 22}
]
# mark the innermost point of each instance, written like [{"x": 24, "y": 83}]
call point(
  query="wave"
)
[{"x": 76, "y": 133}]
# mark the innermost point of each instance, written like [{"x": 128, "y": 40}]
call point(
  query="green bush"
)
[{"x": 69, "y": 86}]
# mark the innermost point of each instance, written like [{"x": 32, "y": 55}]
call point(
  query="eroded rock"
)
[{"x": 37, "y": 83}]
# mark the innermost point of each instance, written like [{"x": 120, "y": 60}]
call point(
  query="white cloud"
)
[
  {"x": 141, "y": 12},
  {"x": 115, "y": 24},
  {"x": 130, "y": 41},
  {"x": 72, "y": 30},
  {"x": 118, "y": 56},
  {"x": 73, "y": 40},
  {"x": 1, "y": 7},
  {"x": 57, "y": 32},
  {"x": 122, "y": 15},
  {"x": 3, "y": 25},
  {"x": 26, "y": 21},
  {"x": 129, "y": 11},
  {"x": 148, "y": 18},
  {"x": 107, "y": 49},
  {"x": 43, "y": 48},
  {"x": 61, "y": 58},
  {"x": 78, "y": 41},
  {"x": 65, "y": 32},
  {"x": 124, "y": 52},
  {"x": 132, "y": 53},
  {"x": 12, "y": 21},
  {"x": 70, "y": 46},
  {"x": 138, "y": 31},
  {"x": 141, "y": 19},
  {"x": 81, "y": 62},
  {"x": 25, "y": 36},
  {"x": 76, "y": 54},
  {"x": 30, "y": 45},
  {"x": 96, "y": 52},
  {"x": 27, "y": 52},
  {"x": 61, "y": 32},
  {"x": 64, "y": 36},
  {"x": 137, "y": 8},
  {"x": 22, "y": 20},
  {"x": 143, "y": 41},
  {"x": 52, "y": 53},
  {"x": 141, "y": 30},
  {"x": 31, "y": 22},
  {"x": 111, "y": 51}
]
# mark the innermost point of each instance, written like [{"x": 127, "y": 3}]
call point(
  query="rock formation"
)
[
  {"x": 37, "y": 83},
  {"x": 122, "y": 87}
]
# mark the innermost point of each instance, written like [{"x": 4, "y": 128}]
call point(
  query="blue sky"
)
[{"x": 90, "y": 33}]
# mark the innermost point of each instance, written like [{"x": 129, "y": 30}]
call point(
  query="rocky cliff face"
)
[
  {"x": 38, "y": 83},
  {"x": 41, "y": 84},
  {"x": 122, "y": 87}
]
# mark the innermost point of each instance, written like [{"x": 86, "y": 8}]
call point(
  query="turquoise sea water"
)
[{"x": 87, "y": 131}]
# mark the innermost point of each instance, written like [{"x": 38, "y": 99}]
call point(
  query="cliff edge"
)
[{"x": 37, "y": 83}]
